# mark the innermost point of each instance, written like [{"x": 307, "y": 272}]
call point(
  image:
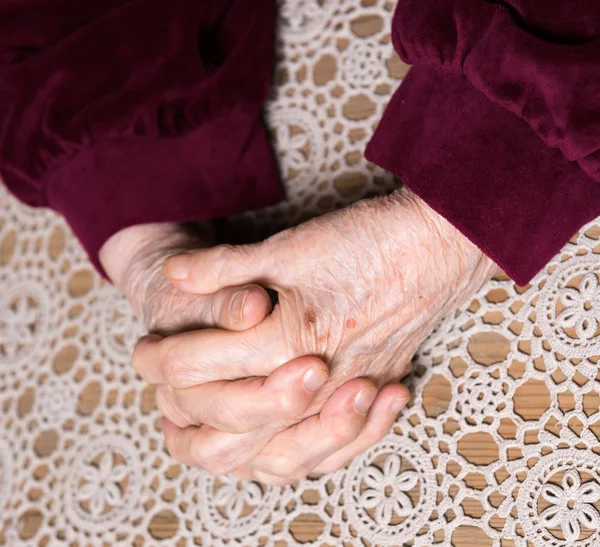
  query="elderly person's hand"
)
[
  {"x": 360, "y": 288},
  {"x": 134, "y": 258}
]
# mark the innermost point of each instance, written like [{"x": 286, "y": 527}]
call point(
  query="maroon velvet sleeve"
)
[
  {"x": 483, "y": 169},
  {"x": 119, "y": 112},
  {"x": 498, "y": 125}
]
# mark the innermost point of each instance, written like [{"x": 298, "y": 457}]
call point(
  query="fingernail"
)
[
  {"x": 399, "y": 405},
  {"x": 364, "y": 399},
  {"x": 315, "y": 379},
  {"x": 178, "y": 267},
  {"x": 236, "y": 309}
]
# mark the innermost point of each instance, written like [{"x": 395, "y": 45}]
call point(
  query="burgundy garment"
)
[
  {"x": 498, "y": 125},
  {"x": 120, "y": 112},
  {"x": 117, "y": 112}
]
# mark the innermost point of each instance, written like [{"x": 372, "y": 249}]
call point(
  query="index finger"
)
[
  {"x": 244, "y": 405},
  {"x": 192, "y": 358}
]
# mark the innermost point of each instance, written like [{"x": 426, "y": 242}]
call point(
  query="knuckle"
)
[
  {"x": 289, "y": 404},
  {"x": 174, "y": 367},
  {"x": 226, "y": 419},
  {"x": 168, "y": 407},
  {"x": 227, "y": 250},
  {"x": 224, "y": 253},
  {"x": 211, "y": 459},
  {"x": 231, "y": 415},
  {"x": 344, "y": 430},
  {"x": 284, "y": 467}
]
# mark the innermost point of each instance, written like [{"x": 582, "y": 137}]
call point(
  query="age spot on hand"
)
[
  {"x": 310, "y": 316},
  {"x": 351, "y": 324}
]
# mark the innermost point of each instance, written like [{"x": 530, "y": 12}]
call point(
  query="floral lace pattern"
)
[
  {"x": 23, "y": 313},
  {"x": 386, "y": 490},
  {"x": 500, "y": 443},
  {"x": 571, "y": 505},
  {"x": 336, "y": 73}
]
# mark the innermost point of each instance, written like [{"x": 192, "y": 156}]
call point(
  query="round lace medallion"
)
[
  {"x": 298, "y": 144},
  {"x": 551, "y": 505},
  {"x": 23, "y": 323},
  {"x": 55, "y": 401},
  {"x": 302, "y": 19},
  {"x": 233, "y": 508},
  {"x": 119, "y": 329},
  {"x": 506, "y": 345},
  {"x": 363, "y": 63},
  {"x": 103, "y": 486},
  {"x": 569, "y": 308},
  {"x": 390, "y": 504},
  {"x": 481, "y": 395}
]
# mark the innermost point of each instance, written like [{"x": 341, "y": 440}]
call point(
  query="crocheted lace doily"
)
[{"x": 499, "y": 447}]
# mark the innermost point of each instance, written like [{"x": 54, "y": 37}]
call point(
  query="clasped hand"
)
[{"x": 274, "y": 394}]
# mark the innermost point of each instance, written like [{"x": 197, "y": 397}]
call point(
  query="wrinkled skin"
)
[
  {"x": 134, "y": 258},
  {"x": 360, "y": 288}
]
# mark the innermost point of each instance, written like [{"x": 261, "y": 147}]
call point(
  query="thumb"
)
[
  {"x": 237, "y": 308},
  {"x": 206, "y": 271}
]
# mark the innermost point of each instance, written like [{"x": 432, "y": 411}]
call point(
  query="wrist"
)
[{"x": 460, "y": 266}]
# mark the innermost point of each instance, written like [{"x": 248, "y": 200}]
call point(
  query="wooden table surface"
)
[{"x": 531, "y": 401}]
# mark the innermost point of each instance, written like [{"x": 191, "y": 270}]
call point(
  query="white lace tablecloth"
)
[{"x": 499, "y": 447}]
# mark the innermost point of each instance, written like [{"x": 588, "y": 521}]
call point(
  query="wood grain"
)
[{"x": 306, "y": 528}]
